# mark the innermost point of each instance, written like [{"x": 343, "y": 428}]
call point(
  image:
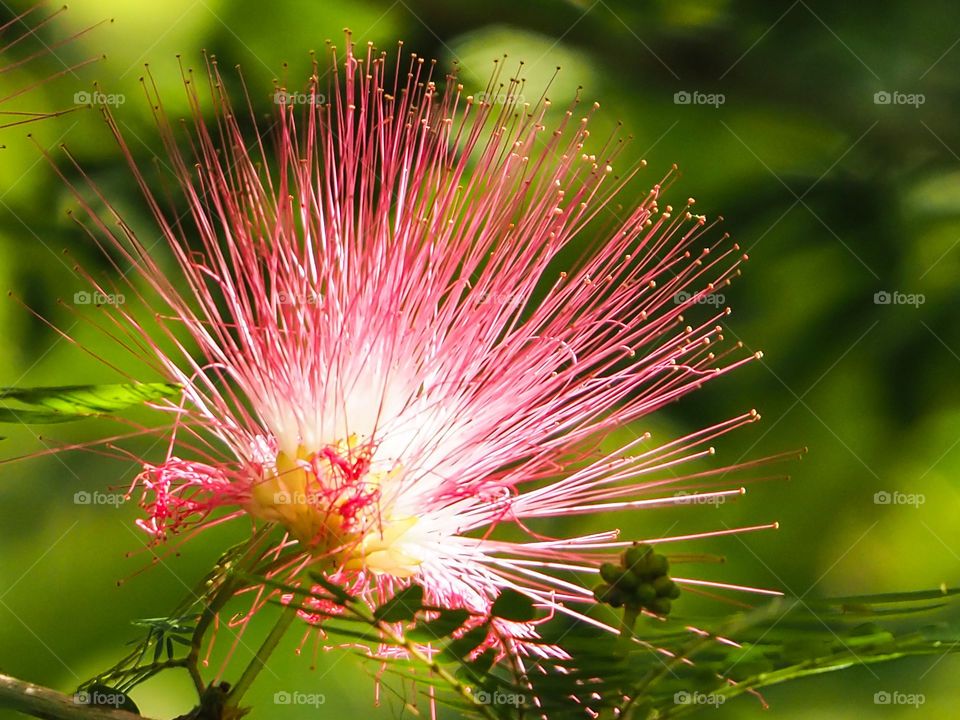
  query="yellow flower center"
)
[{"x": 330, "y": 502}]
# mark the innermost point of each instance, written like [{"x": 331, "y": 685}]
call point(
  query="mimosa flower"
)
[{"x": 392, "y": 342}]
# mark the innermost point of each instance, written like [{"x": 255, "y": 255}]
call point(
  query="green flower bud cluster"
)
[{"x": 640, "y": 582}]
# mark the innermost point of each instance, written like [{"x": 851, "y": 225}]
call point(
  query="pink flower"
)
[{"x": 389, "y": 345}]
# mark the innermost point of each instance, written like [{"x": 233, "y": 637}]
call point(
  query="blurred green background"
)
[{"x": 825, "y": 135}]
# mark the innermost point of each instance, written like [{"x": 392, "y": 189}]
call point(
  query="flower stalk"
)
[{"x": 259, "y": 660}]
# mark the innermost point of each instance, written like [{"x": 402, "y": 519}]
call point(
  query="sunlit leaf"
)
[{"x": 72, "y": 402}]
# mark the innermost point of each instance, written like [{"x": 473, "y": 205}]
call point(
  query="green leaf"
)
[
  {"x": 483, "y": 662},
  {"x": 514, "y": 606},
  {"x": 446, "y": 624},
  {"x": 402, "y": 606},
  {"x": 461, "y": 647},
  {"x": 341, "y": 596},
  {"x": 786, "y": 640},
  {"x": 72, "y": 402},
  {"x": 365, "y": 634}
]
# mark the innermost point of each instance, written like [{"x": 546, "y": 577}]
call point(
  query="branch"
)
[{"x": 42, "y": 702}]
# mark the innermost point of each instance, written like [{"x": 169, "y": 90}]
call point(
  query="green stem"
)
[
  {"x": 438, "y": 670},
  {"x": 361, "y": 611},
  {"x": 120, "y": 677},
  {"x": 260, "y": 659},
  {"x": 225, "y": 592},
  {"x": 630, "y": 615},
  {"x": 810, "y": 666},
  {"x": 637, "y": 694}
]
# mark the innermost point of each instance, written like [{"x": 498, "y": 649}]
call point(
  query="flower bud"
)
[{"x": 610, "y": 572}]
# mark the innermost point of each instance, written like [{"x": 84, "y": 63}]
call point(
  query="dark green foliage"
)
[
  {"x": 402, "y": 606},
  {"x": 630, "y": 675},
  {"x": 513, "y": 605},
  {"x": 73, "y": 402}
]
